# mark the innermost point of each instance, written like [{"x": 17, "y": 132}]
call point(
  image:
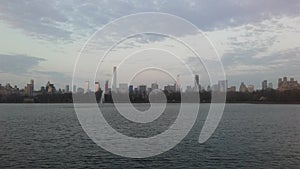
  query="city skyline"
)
[
  {"x": 287, "y": 92},
  {"x": 222, "y": 86},
  {"x": 285, "y": 83}
]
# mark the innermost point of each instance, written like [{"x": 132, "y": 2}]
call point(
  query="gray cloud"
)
[
  {"x": 65, "y": 19},
  {"x": 35, "y": 17},
  {"x": 271, "y": 67},
  {"x": 18, "y": 64},
  {"x": 69, "y": 19}
]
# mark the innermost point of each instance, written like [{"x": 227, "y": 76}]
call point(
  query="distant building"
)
[
  {"x": 106, "y": 87},
  {"x": 74, "y": 88},
  {"x": 143, "y": 90},
  {"x": 264, "y": 85},
  {"x": 67, "y": 90},
  {"x": 243, "y": 88},
  {"x": 154, "y": 86},
  {"x": 177, "y": 84},
  {"x": 86, "y": 87},
  {"x": 8, "y": 90},
  {"x": 97, "y": 87},
  {"x": 231, "y": 89},
  {"x": 284, "y": 85},
  {"x": 208, "y": 88},
  {"x": 250, "y": 88},
  {"x": 50, "y": 88},
  {"x": 197, "y": 86},
  {"x": 149, "y": 90},
  {"x": 32, "y": 84},
  {"x": 131, "y": 90},
  {"x": 222, "y": 85},
  {"x": 136, "y": 91},
  {"x": 114, "y": 81},
  {"x": 123, "y": 88},
  {"x": 108, "y": 91},
  {"x": 170, "y": 88},
  {"x": 29, "y": 89},
  {"x": 43, "y": 90},
  {"x": 270, "y": 85},
  {"x": 80, "y": 90}
]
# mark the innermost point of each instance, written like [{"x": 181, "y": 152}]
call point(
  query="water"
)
[{"x": 249, "y": 136}]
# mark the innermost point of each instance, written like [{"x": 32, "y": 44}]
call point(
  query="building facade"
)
[
  {"x": 264, "y": 85},
  {"x": 285, "y": 84},
  {"x": 243, "y": 88}
]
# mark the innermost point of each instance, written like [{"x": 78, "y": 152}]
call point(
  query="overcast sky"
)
[{"x": 256, "y": 40}]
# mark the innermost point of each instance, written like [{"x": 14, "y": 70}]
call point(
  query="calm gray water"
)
[{"x": 249, "y": 136}]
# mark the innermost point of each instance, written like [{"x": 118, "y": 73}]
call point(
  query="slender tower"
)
[
  {"x": 178, "y": 83},
  {"x": 197, "y": 83},
  {"x": 106, "y": 87},
  {"x": 114, "y": 82},
  {"x": 87, "y": 86},
  {"x": 32, "y": 83}
]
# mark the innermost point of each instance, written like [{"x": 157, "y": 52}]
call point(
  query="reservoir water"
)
[{"x": 248, "y": 136}]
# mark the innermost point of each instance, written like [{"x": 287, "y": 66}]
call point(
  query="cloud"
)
[
  {"x": 69, "y": 19},
  {"x": 18, "y": 64},
  {"x": 254, "y": 70},
  {"x": 256, "y": 36},
  {"x": 37, "y": 18},
  {"x": 275, "y": 63},
  {"x": 257, "y": 44}
]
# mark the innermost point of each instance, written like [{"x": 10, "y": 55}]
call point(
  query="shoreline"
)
[{"x": 258, "y": 103}]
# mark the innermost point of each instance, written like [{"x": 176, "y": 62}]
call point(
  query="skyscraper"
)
[
  {"x": 114, "y": 82},
  {"x": 50, "y": 88},
  {"x": 131, "y": 89},
  {"x": 74, "y": 88},
  {"x": 143, "y": 90},
  {"x": 32, "y": 83},
  {"x": 264, "y": 85},
  {"x": 97, "y": 87},
  {"x": 87, "y": 87},
  {"x": 30, "y": 88},
  {"x": 67, "y": 88},
  {"x": 178, "y": 83},
  {"x": 197, "y": 83},
  {"x": 223, "y": 85},
  {"x": 250, "y": 88},
  {"x": 106, "y": 87},
  {"x": 243, "y": 88}
]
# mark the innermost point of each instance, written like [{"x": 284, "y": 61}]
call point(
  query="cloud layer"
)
[
  {"x": 57, "y": 19},
  {"x": 251, "y": 36},
  {"x": 18, "y": 64}
]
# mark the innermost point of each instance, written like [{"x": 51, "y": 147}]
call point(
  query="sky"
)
[{"x": 41, "y": 40}]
